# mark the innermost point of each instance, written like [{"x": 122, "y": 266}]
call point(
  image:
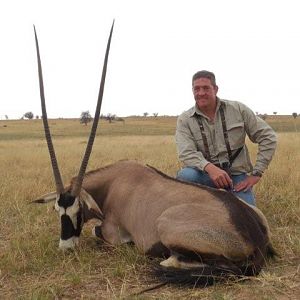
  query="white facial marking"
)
[
  {"x": 70, "y": 211},
  {"x": 67, "y": 244},
  {"x": 56, "y": 206}
]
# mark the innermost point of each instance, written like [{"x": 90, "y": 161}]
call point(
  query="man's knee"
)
[
  {"x": 188, "y": 174},
  {"x": 194, "y": 175},
  {"x": 248, "y": 197}
]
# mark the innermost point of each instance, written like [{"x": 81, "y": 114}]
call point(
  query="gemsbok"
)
[{"x": 202, "y": 234}]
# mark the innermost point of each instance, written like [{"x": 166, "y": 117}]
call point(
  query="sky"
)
[{"x": 253, "y": 47}]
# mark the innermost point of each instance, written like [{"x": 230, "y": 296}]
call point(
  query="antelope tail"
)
[{"x": 198, "y": 276}]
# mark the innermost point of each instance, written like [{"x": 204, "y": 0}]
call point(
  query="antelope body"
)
[
  {"x": 162, "y": 215},
  {"x": 192, "y": 225},
  {"x": 202, "y": 231}
]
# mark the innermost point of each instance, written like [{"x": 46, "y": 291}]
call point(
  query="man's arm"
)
[
  {"x": 220, "y": 177},
  {"x": 261, "y": 133}
]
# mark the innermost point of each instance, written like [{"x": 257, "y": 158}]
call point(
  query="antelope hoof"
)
[{"x": 172, "y": 261}]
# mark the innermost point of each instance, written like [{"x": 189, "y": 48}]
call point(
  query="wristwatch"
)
[{"x": 256, "y": 173}]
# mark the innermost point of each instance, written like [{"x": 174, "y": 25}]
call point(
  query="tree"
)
[
  {"x": 28, "y": 115},
  {"x": 294, "y": 114},
  {"x": 85, "y": 117},
  {"x": 155, "y": 115},
  {"x": 6, "y": 117},
  {"x": 274, "y": 112},
  {"x": 264, "y": 116},
  {"x": 110, "y": 117},
  {"x": 145, "y": 114}
]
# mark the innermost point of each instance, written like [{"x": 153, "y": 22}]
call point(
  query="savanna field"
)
[{"x": 32, "y": 267}]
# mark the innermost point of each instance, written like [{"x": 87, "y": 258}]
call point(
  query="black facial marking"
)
[
  {"x": 79, "y": 224},
  {"x": 66, "y": 200},
  {"x": 68, "y": 230},
  {"x": 67, "y": 227}
]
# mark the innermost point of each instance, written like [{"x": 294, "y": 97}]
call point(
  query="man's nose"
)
[{"x": 201, "y": 92}]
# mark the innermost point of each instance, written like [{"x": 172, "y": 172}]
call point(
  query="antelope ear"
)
[
  {"x": 91, "y": 203},
  {"x": 46, "y": 198}
]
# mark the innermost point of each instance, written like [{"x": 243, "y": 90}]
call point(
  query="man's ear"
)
[
  {"x": 86, "y": 198},
  {"x": 216, "y": 89}
]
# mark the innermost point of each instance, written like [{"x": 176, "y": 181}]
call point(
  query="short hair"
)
[{"x": 205, "y": 74}]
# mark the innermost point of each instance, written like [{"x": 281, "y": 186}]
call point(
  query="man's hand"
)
[
  {"x": 246, "y": 184},
  {"x": 219, "y": 177}
]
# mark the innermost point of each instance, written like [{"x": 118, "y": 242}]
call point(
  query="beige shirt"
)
[{"x": 240, "y": 121}]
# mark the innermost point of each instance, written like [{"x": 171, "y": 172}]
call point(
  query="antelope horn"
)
[
  {"x": 56, "y": 173},
  {"x": 78, "y": 183}
]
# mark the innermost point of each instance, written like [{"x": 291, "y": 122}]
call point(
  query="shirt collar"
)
[{"x": 196, "y": 110}]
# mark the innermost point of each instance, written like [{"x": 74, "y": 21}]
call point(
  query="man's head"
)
[{"x": 205, "y": 89}]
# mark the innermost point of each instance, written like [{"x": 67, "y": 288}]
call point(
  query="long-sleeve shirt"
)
[{"x": 240, "y": 121}]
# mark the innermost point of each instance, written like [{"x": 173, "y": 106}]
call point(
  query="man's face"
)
[{"x": 204, "y": 92}]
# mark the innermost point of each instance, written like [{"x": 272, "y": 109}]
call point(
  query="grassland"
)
[{"x": 31, "y": 267}]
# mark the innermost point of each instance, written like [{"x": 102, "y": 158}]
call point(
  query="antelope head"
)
[{"x": 69, "y": 202}]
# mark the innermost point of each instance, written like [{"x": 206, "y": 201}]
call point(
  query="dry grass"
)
[{"x": 31, "y": 267}]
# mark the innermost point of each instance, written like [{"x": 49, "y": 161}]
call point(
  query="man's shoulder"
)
[
  {"x": 232, "y": 103},
  {"x": 187, "y": 113},
  {"x": 235, "y": 105}
]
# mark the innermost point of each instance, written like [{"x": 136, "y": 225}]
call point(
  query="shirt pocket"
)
[
  {"x": 197, "y": 136},
  {"x": 236, "y": 135},
  {"x": 199, "y": 143}
]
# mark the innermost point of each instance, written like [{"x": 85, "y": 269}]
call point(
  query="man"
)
[{"x": 210, "y": 140}]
